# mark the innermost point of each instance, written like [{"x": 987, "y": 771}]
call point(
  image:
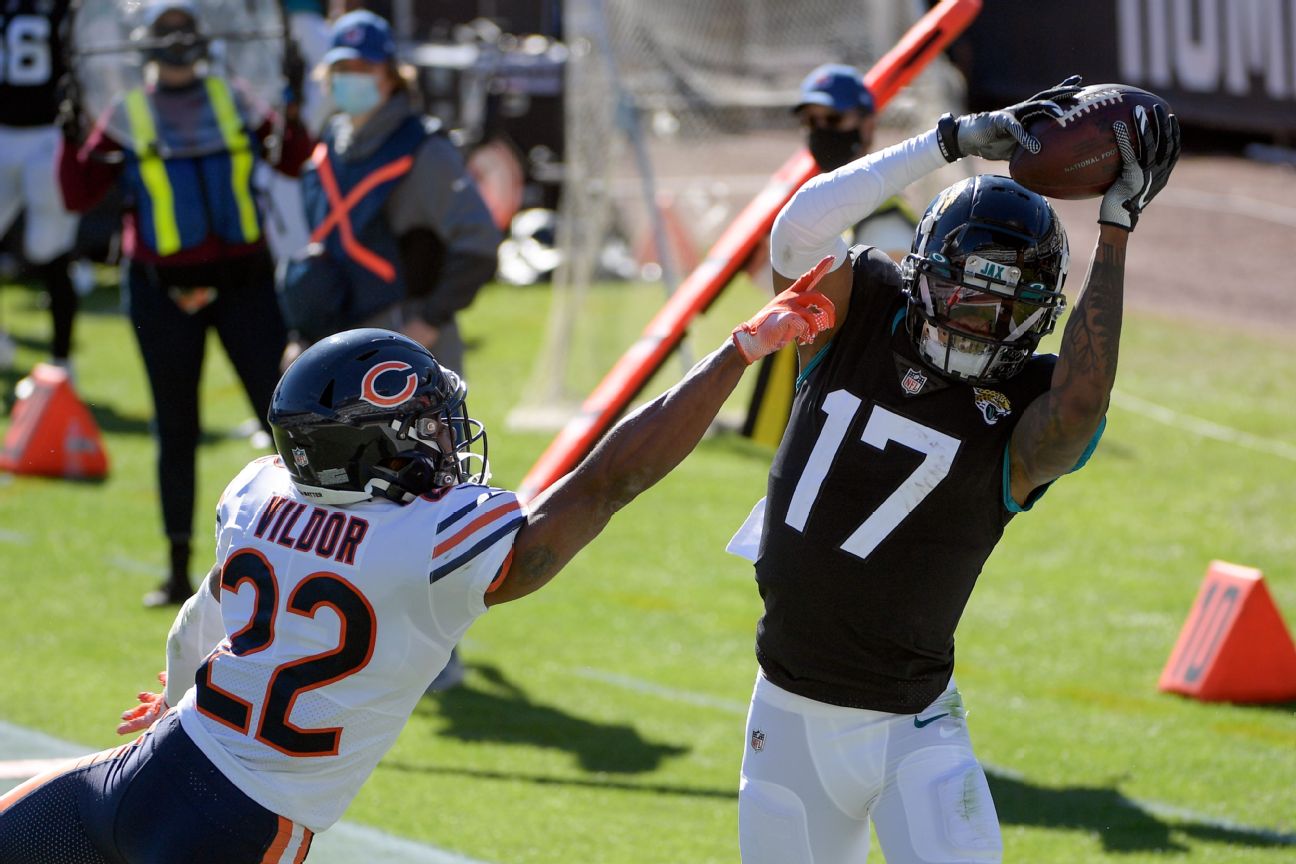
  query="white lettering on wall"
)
[
  {"x": 1255, "y": 43},
  {"x": 1209, "y": 46},
  {"x": 1196, "y": 44}
]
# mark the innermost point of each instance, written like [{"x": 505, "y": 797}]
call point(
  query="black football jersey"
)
[
  {"x": 885, "y": 499},
  {"x": 31, "y": 60}
]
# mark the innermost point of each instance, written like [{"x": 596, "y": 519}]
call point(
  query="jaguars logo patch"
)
[{"x": 992, "y": 404}]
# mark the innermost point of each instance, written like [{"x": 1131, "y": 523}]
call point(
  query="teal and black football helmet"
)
[
  {"x": 370, "y": 413},
  {"x": 984, "y": 279}
]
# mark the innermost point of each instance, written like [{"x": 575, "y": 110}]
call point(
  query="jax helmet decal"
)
[{"x": 984, "y": 279}]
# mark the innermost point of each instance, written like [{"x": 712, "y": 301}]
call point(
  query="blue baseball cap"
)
[
  {"x": 836, "y": 86},
  {"x": 360, "y": 35}
]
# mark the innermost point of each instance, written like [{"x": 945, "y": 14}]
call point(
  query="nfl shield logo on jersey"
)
[
  {"x": 758, "y": 740},
  {"x": 913, "y": 382},
  {"x": 299, "y": 456}
]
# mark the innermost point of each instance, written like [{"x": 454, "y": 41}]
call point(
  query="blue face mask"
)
[{"x": 355, "y": 93}]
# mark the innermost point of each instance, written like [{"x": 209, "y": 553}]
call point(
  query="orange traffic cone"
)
[
  {"x": 1234, "y": 646},
  {"x": 52, "y": 433}
]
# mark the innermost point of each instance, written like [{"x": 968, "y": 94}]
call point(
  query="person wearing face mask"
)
[
  {"x": 837, "y": 112},
  {"x": 400, "y": 236},
  {"x": 185, "y": 146}
]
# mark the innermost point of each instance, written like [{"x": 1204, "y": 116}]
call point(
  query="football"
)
[{"x": 1077, "y": 156}]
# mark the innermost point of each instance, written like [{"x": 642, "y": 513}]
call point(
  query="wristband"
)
[{"x": 947, "y": 137}]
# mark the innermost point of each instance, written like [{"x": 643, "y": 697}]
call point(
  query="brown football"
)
[{"x": 1077, "y": 156}]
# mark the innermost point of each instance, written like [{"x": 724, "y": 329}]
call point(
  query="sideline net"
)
[{"x": 677, "y": 114}]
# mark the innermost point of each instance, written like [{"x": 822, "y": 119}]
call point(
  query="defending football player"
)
[
  {"x": 922, "y": 424},
  {"x": 348, "y": 567}
]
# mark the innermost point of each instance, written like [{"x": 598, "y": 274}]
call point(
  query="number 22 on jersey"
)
[
  {"x": 289, "y": 679},
  {"x": 883, "y": 427}
]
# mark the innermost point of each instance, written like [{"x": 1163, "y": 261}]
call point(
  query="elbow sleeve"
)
[
  {"x": 810, "y": 226},
  {"x": 795, "y": 248}
]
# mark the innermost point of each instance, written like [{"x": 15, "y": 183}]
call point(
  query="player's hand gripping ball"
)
[
  {"x": 1078, "y": 156},
  {"x": 799, "y": 313}
]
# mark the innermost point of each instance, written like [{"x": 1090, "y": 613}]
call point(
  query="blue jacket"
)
[{"x": 352, "y": 270}]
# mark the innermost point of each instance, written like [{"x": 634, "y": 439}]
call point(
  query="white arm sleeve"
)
[
  {"x": 197, "y": 629},
  {"x": 810, "y": 226}
]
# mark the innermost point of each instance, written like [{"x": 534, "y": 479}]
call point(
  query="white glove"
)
[
  {"x": 997, "y": 134},
  {"x": 1145, "y": 173}
]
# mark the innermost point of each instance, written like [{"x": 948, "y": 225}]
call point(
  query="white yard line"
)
[
  {"x": 25, "y": 753},
  {"x": 1203, "y": 428}
]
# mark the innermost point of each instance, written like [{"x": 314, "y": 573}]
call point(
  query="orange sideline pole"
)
[{"x": 927, "y": 38}]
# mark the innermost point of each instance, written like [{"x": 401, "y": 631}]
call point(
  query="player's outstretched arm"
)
[
  {"x": 1057, "y": 427},
  {"x": 811, "y": 224},
  {"x": 649, "y": 443}
]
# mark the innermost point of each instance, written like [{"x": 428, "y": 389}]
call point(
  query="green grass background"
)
[{"x": 602, "y": 719}]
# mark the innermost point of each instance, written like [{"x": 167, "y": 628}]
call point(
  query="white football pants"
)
[
  {"x": 814, "y": 774},
  {"x": 29, "y": 181}
]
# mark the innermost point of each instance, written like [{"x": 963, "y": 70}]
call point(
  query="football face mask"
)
[{"x": 979, "y": 322}]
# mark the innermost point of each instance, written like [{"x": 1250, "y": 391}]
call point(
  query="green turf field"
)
[{"x": 602, "y": 719}]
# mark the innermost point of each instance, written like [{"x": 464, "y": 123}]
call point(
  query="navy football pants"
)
[{"x": 156, "y": 800}]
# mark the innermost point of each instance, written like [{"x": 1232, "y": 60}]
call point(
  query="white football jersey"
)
[{"x": 336, "y": 621}]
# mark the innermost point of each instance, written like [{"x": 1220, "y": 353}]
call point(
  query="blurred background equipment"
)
[
  {"x": 1234, "y": 646},
  {"x": 53, "y": 433},
  {"x": 493, "y": 72},
  {"x": 676, "y": 114}
]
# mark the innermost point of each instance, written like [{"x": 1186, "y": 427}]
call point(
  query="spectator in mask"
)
[
  {"x": 400, "y": 236},
  {"x": 193, "y": 239},
  {"x": 837, "y": 111}
]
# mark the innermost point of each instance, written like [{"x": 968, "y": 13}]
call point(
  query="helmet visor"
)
[{"x": 976, "y": 312}]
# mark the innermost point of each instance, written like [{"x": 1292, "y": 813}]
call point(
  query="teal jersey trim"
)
[
  {"x": 1093, "y": 445},
  {"x": 814, "y": 361},
  {"x": 895, "y": 322},
  {"x": 1012, "y": 506}
]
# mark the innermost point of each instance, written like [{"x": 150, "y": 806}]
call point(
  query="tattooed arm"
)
[
  {"x": 1056, "y": 428},
  {"x": 645, "y": 446},
  {"x": 638, "y": 452}
]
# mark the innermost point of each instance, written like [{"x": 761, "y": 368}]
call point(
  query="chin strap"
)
[{"x": 418, "y": 476}]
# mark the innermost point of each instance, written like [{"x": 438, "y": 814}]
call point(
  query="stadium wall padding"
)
[{"x": 1224, "y": 64}]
